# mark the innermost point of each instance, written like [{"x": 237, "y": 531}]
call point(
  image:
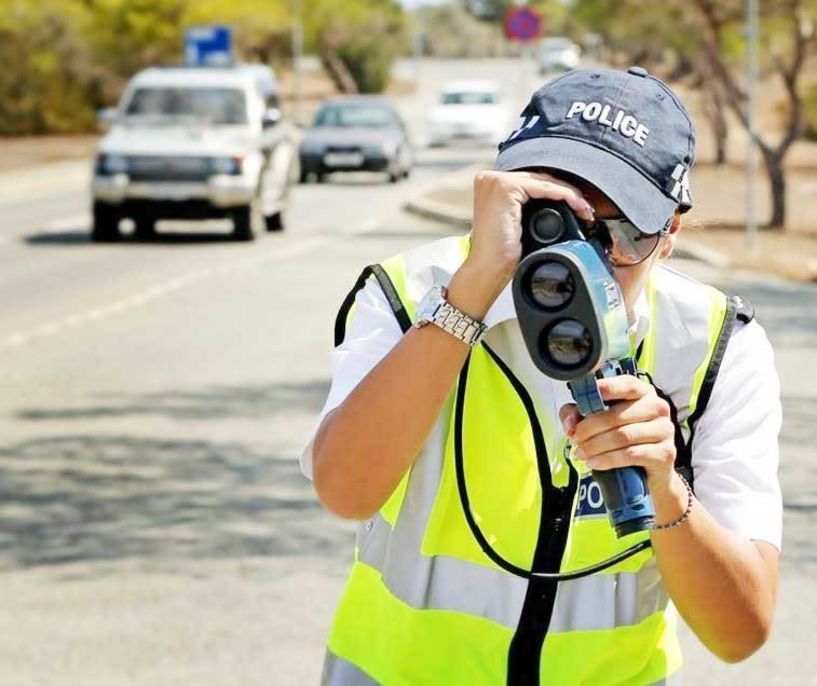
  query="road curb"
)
[
  {"x": 445, "y": 213},
  {"x": 439, "y": 212}
]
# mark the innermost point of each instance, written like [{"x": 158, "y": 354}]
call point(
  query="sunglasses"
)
[{"x": 624, "y": 244}]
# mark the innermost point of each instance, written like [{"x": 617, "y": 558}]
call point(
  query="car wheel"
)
[
  {"x": 144, "y": 228},
  {"x": 303, "y": 177},
  {"x": 247, "y": 221},
  {"x": 105, "y": 228},
  {"x": 319, "y": 177},
  {"x": 275, "y": 222}
]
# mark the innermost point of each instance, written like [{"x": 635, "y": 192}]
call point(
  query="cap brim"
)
[{"x": 643, "y": 203}]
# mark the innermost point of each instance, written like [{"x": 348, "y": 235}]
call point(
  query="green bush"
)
[
  {"x": 369, "y": 62},
  {"x": 44, "y": 82}
]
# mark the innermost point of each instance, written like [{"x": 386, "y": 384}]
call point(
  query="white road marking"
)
[{"x": 77, "y": 320}]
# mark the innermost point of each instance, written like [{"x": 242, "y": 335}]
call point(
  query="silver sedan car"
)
[{"x": 356, "y": 133}]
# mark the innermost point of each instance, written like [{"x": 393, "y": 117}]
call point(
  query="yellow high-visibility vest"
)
[{"x": 424, "y": 604}]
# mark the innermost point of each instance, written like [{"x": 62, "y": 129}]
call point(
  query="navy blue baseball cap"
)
[{"x": 625, "y": 132}]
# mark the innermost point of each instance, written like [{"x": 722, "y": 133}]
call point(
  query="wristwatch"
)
[{"x": 435, "y": 309}]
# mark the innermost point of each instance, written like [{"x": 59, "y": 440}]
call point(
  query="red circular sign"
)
[{"x": 522, "y": 24}]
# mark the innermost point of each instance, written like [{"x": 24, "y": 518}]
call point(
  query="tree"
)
[
  {"x": 707, "y": 37},
  {"x": 262, "y": 28},
  {"x": 787, "y": 32},
  {"x": 357, "y": 40},
  {"x": 450, "y": 31},
  {"x": 48, "y": 74}
]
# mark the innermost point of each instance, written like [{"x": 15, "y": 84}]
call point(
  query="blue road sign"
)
[{"x": 208, "y": 46}]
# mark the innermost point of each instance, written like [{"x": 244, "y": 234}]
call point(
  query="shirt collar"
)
[{"x": 639, "y": 318}]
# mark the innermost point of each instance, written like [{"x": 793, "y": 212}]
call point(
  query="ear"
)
[{"x": 668, "y": 244}]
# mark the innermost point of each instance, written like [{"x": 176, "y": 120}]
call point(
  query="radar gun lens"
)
[
  {"x": 552, "y": 285},
  {"x": 568, "y": 343},
  {"x": 546, "y": 226}
]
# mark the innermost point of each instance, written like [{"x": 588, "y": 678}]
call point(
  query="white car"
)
[
  {"x": 557, "y": 53},
  {"x": 469, "y": 110},
  {"x": 195, "y": 143}
]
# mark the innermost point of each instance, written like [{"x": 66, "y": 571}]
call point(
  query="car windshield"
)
[
  {"x": 214, "y": 105},
  {"x": 370, "y": 116},
  {"x": 556, "y": 44},
  {"x": 468, "y": 98}
]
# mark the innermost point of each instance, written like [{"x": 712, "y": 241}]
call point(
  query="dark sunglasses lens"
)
[{"x": 628, "y": 245}]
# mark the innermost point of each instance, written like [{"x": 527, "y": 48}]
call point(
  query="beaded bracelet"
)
[{"x": 683, "y": 517}]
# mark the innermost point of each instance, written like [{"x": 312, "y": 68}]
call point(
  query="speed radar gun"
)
[{"x": 574, "y": 322}]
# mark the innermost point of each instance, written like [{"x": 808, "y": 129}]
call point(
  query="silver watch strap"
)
[{"x": 458, "y": 324}]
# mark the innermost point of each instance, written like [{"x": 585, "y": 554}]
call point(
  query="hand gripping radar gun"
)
[{"x": 574, "y": 322}]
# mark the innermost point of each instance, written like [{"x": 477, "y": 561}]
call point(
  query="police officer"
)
[{"x": 434, "y": 396}]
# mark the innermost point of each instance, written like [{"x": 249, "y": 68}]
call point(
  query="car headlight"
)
[
  {"x": 112, "y": 164},
  {"x": 226, "y": 165},
  {"x": 386, "y": 148}
]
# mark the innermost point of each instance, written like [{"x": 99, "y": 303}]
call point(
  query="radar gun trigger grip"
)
[{"x": 574, "y": 323}]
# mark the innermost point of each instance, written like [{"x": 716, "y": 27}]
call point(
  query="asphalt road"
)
[{"x": 154, "y": 525}]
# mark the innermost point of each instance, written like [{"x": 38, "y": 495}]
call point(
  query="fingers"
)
[
  {"x": 654, "y": 457},
  {"x": 556, "y": 190},
  {"x": 525, "y": 185},
  {"x": 624, "y": 387},
  {"x": 622, "y": 413},
  {"x": 621, "y": 437},
  {"x": 636, "y": 432},
  {"x": 570, "y": 417}
]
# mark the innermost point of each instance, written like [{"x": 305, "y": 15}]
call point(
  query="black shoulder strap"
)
[
  {"x": 736, "y": 308},
  {"x": 388, "y": 289},
  {"x": 745, "y": 310}
]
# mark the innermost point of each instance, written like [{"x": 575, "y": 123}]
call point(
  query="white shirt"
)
[{"x": 735, "y": 453}]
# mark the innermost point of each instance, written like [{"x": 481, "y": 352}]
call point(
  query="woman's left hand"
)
[{"x": 635, "y": 431}]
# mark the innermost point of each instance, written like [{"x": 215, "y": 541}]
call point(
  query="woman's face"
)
[{"x": 631, "y": 279}]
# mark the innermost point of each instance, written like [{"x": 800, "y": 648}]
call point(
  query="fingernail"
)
[
  {"x": 578, "y": 454},
  {"x": 569, "y": 424}
]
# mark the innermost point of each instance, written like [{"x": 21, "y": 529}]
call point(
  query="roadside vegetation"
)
[{"x": 65, "y": 59}]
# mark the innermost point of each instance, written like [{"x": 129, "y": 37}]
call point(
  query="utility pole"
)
[
  {"x": 751, "y": 149},
  {"x": 297, "y": 59}
]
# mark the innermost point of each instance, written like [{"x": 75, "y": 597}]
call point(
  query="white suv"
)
[{"x": 195, "y": 143}]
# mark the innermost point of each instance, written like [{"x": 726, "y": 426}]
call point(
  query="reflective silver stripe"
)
[
  {"x": 446, "y": 583},
  {"x": 340, "y": 672},
  {"x": 600, "y": 601},
  {"x": 604, "y": 601},
  {"x": 440, "y": 582}
]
